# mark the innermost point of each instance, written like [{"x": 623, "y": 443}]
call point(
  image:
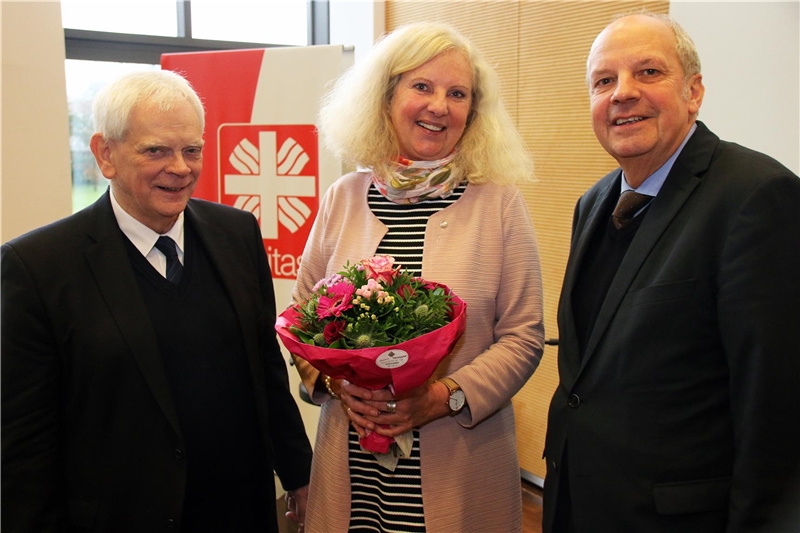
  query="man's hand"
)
[{"x": 296, "y": 503}]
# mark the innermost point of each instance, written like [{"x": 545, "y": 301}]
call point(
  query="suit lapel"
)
[
  {"x": 109, "y": 262},
  {"x": 585, "y": 228},
  {"x": 678, "y": 187}
]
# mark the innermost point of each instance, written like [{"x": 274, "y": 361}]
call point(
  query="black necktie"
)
[
  {"x": 174, "y": 266},
  {"x": 629, "y": 203}
]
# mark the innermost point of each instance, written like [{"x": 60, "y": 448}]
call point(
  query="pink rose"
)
[
  {"x": 333, "y": 331},
  {"x": 381, "y": 267},
  {"x": 338, "y": 300}
]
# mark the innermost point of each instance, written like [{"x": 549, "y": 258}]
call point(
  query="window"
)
[
  {"x": 281, "y": 22},
  {"x": 104, "y": 39},
  {"x": 84, "y": 79},
  {"x": 146, "y": 17}
]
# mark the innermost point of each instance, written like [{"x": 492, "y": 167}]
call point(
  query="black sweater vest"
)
[
  {"x": 201, "y": 346},
  {"x": 604, "y": 255}
]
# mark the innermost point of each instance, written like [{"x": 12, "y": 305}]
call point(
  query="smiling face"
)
[
  {"x": 642, "y": 108},
  {"x": 155, "y": 169},
  {"x": 430, "y": 106}
]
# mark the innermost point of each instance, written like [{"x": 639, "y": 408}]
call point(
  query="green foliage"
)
[{"x": 368, "y": 304}]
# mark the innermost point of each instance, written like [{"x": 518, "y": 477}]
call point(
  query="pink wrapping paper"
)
[{"x": 404, "y": 366}]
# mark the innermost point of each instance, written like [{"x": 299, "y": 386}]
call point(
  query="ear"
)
[
  {"x": 102, "y": 154},
  {"x": 696, "y": 91}
]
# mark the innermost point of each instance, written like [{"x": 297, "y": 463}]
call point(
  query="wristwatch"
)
[{"x": 457, "y": 398}]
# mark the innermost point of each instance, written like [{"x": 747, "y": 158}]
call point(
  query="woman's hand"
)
[
  {"x": 371, "y": 410},
  {"x": 356, "y": 403}
]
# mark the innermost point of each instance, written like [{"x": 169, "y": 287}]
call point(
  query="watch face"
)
[{"x": 457, "y": 400}]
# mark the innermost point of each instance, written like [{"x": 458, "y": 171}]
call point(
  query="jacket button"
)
[
  {"x": 170, "y": 523},
  {"x": 178, "y": 453},
  {"x": 554, "y": 466},
  {"x": 574, "y": 400}
]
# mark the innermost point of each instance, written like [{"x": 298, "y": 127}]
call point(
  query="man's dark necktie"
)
[
  {"x": 630, "y": 202},
  {"x": 174, "y": 266}
]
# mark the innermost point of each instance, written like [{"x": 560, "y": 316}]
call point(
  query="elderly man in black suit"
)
[
  {"x": 679, "y": 318},
  {"x": 142, "y": 384}
]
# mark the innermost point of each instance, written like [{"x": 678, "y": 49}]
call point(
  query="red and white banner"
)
[{"x": 262, "y": 152}]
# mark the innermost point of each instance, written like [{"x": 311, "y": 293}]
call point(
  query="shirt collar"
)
[
  {"x": 142, "y": 237},
  {"x": 653, "y": 183}
]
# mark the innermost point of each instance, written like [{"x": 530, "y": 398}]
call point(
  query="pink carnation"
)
[{"x": 338, "y": 300}]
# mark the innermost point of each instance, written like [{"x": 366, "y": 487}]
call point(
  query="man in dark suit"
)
[
  {"x": 142, "y": 384},
  {"x": 679, "y": 318}
]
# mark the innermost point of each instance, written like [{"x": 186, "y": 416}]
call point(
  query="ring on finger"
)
[{"x": 391, "y": 406}]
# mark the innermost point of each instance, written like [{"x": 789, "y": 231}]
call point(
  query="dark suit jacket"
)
[
  {"x": 682, "y": 414},
  {"x": 90, "y": 434}
]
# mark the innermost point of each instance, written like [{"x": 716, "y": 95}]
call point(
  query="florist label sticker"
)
[{"x": 392, "y": 359}]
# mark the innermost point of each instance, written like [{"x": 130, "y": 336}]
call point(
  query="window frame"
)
[{"x": 137, "y": 48}]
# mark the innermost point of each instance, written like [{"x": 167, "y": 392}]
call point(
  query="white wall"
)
[
  {"x": 750, "y": 54},
  {"x": 34, "y": 143}
]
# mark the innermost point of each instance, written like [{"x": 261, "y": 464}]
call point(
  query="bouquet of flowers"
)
[{"x": 376, "y": 326}]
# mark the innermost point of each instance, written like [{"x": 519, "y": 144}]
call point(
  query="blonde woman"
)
[{"x": 440, "y": 157}]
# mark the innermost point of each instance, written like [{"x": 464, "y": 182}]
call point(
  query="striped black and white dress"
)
[{"x": 384, "y": 501}]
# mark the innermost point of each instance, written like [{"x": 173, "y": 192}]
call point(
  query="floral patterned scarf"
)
[{"x": 412, "y": 181}]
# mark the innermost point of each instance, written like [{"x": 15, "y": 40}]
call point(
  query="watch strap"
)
[{"x": 451, "y": 385}]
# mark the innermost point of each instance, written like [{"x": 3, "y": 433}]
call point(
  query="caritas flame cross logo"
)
[{"x": 273, "y": 172}]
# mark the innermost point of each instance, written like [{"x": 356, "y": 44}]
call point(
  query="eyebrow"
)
[
  {"x": 429, "y": 81},
  {"x": 638, "y": 64},
  {"x": 650, "y": 60}
]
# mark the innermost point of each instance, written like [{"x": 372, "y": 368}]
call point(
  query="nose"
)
[
  {"x": 177, "y": 165},
  {"x": 625, "y": 89},
  {"x": 437, "y": 104}
]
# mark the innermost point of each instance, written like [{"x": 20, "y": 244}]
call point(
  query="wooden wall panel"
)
[
  {"x": 554, "y": 119},
  {"x": 539, "y": 49},
  {"x": 482, "y": 23}
]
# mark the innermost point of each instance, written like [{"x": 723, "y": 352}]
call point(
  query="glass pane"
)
[
  {"x": 146, "y": 17},
  {"x": 84, "y": 79},
  {"x": 272, "y": 21}
]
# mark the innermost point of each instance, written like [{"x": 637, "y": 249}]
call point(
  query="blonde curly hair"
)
[{"x": 356, "y": 126}]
